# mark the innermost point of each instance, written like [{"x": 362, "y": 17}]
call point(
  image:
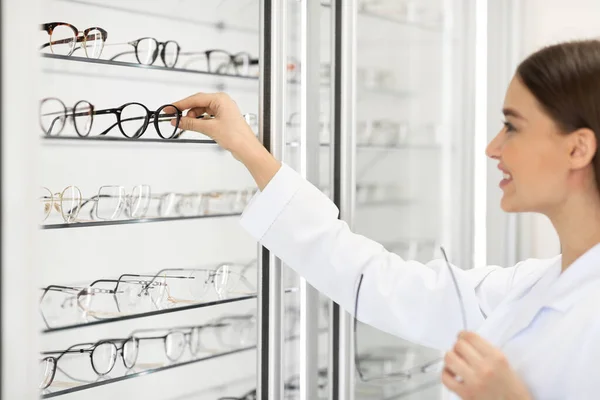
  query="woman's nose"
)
[{"x": 493, "y": 149}]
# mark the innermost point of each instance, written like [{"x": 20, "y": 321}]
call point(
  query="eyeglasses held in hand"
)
[
  {"x": 133, "y": 119},
  {"x": 251, "y": 120},
  {"x": 63, "y": 38},
  {"x": 147, "y": 50},
  {"x": 419, "y": 369},
  {"x": 103, "y": 356}
]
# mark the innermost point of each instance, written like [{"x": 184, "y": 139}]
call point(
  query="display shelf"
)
[
  {"x": 133, "y": 221},
  {"x": 366, "y": 390},
  {"x": 125, "y": 140},
  {"x": 393, "y": 92},
  {"x": 385, "y": 203},
  {"x": 380, "y": 147},
  {"x": 92, "y": 385},
  {"x": 76, "y": 325},
  {"x": 136, "y": 65},
  {"x": 397, "y": 21}
]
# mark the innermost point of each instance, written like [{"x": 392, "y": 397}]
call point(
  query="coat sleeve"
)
[{"x": 415, "y": 301}]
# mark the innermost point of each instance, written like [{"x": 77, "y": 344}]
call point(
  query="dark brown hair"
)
[{"x": 565, "y": 80}]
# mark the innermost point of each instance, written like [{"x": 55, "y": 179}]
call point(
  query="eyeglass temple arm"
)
[
  {"x": 80, "y": 38},
  {"x": 162, "y": 271},
  {"x": 58, "y": 288},
  {"x": 120, "y": 280},
  {"x": 458, "y": 292},
  {"x": 121, "y": 54},
  {"x": 94, "y": 198}
]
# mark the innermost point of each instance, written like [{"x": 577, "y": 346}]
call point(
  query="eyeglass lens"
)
[
  {"x": 104, "y": 356},
  {"x": 146, "y": 51},
  {"x": 63, "y": 40},
  {"x": 94, "y": 43}
]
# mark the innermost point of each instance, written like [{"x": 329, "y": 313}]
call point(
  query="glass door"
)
[{"x": 411, "y": 180}]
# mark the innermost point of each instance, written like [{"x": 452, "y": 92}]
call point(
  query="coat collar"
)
[
  {"x": 571, "y": 285},
  {"x": 551, "y": 289}
]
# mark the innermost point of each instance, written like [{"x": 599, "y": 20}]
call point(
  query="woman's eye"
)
[{"x": 509, "y": 127}]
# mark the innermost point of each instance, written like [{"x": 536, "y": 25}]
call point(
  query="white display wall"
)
[{"x": 73, "y": 256}]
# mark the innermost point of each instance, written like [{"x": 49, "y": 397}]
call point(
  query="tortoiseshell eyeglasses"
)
[{"x": 64, "y": 37}]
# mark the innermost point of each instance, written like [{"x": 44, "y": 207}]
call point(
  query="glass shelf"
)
[
  {"x": 136, "y": 65},
  {"x": 133, "y": 221},
  {"x": 74, "y": 325},
  {"x": 385, "y": 203},
  {"x": 91, "y": 385},
  {"x": 126, "y": 140},
  {"x": 381, "y": 147},
  {"x": 397, "y": 21}
]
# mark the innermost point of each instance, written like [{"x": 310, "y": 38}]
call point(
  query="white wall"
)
[{"x": 546, "y": 22}]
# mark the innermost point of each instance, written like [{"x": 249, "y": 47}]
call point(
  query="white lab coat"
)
[{"x": 546, "y": 323}]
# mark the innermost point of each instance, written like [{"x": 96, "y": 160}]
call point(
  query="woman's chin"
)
[{"x": 508, "y": 204}]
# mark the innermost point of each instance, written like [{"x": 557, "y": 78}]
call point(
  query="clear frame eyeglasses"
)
[
  {"x": 67, "y": 203},
  {"x": 419, "y": 369},
  {"x": 175, "y": 340},
  {"x": 110, "y": 203},
  {"x": 103, "y": 356}
]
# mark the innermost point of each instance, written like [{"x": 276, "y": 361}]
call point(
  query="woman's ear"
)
[{"x": 582, "y": 147}]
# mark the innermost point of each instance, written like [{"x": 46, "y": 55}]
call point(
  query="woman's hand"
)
[
  {"x": 229, "y": 129},
  {"x": 475, "y": 369}
]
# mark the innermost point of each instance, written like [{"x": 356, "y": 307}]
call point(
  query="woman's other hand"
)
[{"x": 475, "y": 369}]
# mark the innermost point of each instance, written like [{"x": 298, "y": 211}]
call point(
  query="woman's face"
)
[{"x": 532, "y": 154}]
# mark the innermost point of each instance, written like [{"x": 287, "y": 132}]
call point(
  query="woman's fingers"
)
[
  {"x": 198, "y": 125},
  {"x": 458, "y": 366},
  {"x": 467, "y": 352},
  {"x": 482, "y": 346},
  {"x": 206, "y": 100},
  {"x": 449, "y": 380},
  {"x": 197, "y": 111}
]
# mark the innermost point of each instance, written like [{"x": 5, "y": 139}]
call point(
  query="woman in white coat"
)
[{"x": 534, "y": 329}]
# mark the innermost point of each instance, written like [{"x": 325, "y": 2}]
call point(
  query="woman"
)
[{"x": 537, "y": 323}]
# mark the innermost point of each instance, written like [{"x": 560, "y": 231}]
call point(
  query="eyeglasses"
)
[
  {"x": 222, "y": 62},
  {"x": 193, "y": 204},
  {"x": 420, "y": 369},
  {"x": 54, "y": 114},
  {"x": 109, "y": 204},
  {"x": 104, "y": 353},
  {"x": 251, "y": 120},
  {"x": 63, "y": 37},
  {"x": 103, "y": 356},
  {"x": 67, "y": 203},
  {"x": 176, "y": 340},
  {"x": 133, "y": 119},
  {"x": 135, "y": 293},
  {"x": 251, "y": 395},
  {"x": 147, "y": 49},
  {"x": 193, "y": 284}
]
